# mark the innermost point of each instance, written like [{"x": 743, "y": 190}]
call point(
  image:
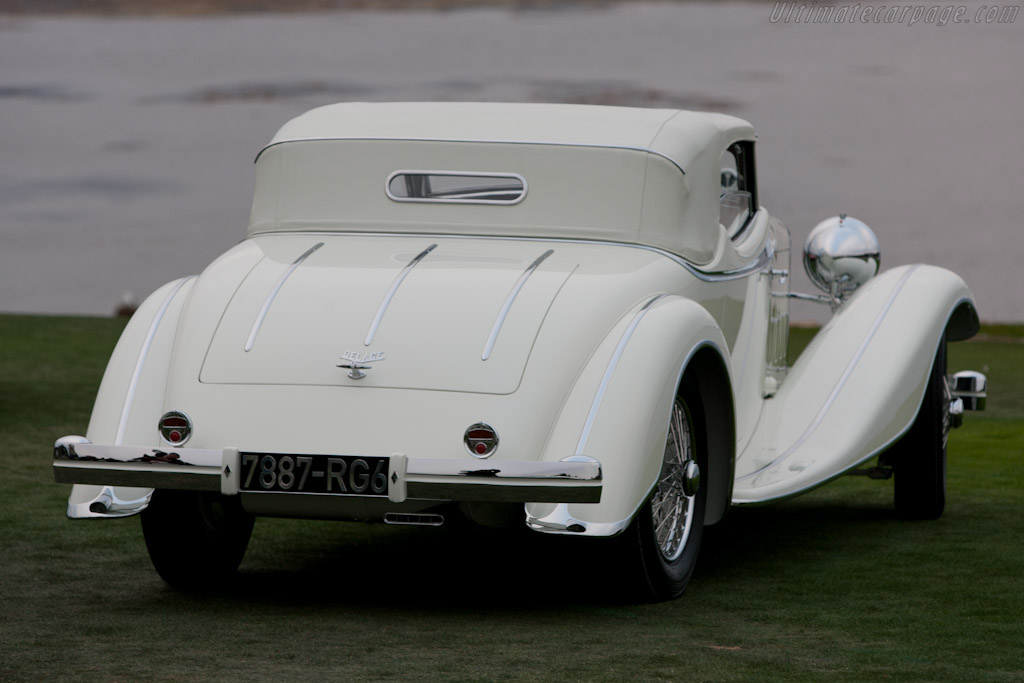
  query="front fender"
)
[
  {"x": 618, "y": 411},
  {"x": 859, "y": 384},
  {"x": 129, "y": 402}
]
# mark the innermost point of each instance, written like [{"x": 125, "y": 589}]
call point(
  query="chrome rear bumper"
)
[{"x": 76, "y": 461}]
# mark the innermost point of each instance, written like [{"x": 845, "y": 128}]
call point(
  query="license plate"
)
[{"x": 342, "y": 475}]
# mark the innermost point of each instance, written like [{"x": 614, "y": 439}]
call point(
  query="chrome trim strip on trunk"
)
[
  {"x": 599, "y": 396},
  {"x": 258, "y": 323},
  {"x": 763, "y": 259},
  {"x": 811, "y": 428},
  {"x": 500, "y": 320},
  {"x": 372, "y": 332},
  {"x": 133, "y": 384}
]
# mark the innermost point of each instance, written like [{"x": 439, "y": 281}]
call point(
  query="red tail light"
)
[
  {"x": 481, "y": 440},
  {"x": 175, "y": 427}
]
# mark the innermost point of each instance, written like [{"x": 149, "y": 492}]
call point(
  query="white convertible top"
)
[
  {"x": 645, "y": 176},
  {"x": 672, "y": 133}
]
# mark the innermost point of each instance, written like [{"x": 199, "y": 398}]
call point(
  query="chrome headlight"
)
[{"x": 841, "y": 253}]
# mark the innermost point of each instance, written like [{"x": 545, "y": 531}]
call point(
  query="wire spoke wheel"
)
[
  {"x": 668, "y": 528},
  {"x": 671, "y": 507}
]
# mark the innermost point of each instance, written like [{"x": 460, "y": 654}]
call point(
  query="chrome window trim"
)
[
  {"x": 457, "y": 174},
  {"x": 265, "y": 308},
  {"x": 475, "y": 141},
  {"x": 811, "y": 428},
  {"x": 386, "y": 301},
  {"x": 133, "y": 384},
  {"x": 763, "y": 260},
  {"x": 503, "y": 313},
  {"x": 749, "y": 160}
]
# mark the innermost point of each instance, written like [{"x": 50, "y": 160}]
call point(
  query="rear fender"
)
[
  {"x": 618, "y": 412},
  {"x": 130, "y": 398}
]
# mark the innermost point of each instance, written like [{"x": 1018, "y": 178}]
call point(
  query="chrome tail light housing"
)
[{"x": 175, "y": 428}]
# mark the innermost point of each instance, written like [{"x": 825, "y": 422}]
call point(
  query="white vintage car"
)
[{"x": 569, "y": 317}]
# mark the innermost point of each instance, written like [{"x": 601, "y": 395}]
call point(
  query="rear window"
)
[{"x": 456, "y": 187}]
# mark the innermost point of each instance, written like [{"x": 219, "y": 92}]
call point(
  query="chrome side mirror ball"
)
[{"x": 841, "y": 254}]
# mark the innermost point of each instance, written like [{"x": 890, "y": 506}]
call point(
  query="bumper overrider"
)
[{"x": 576, "y": 479}]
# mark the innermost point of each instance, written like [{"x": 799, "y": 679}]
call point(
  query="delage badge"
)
[{"x": 356, "y": 362}]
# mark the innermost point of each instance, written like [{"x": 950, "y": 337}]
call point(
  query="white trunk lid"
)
[{"x": 430, "y": 334}]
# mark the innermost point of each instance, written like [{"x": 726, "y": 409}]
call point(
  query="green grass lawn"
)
[{"x": 826, "y": 586}]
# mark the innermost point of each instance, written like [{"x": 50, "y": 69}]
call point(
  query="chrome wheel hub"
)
[
  {"x": 691, "y": 478},
  {"x": 675, "y": 494}
]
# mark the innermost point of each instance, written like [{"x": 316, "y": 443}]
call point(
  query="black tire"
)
[
  {"x": 196, "y": 539},
  {"x": 666, "y": 533},
  {"x": 919, "y": 457}
]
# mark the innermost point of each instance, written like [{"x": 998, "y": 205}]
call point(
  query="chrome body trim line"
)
[
  {"x": 606, "y": 379},
  {"x": 258, "y": 322},
  {"x": 454, "y": 200},
  {"x": 842, "y": 379},
  {"x": 386, "y": 301},
  {"x": 472, "y": 141},
  {"x": 133, "y": 384},
  {"x": 509, "y": 300},
  {"x": 763, "y": 260}
]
